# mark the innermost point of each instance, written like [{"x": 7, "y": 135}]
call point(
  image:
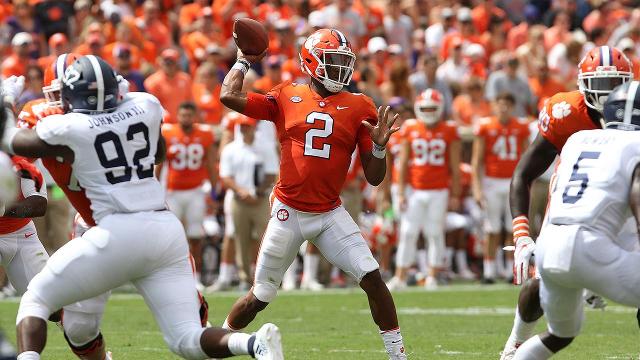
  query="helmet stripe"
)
[
  {"x": 60, "y": 66},
  {"x": 99, "y": 81},
  {"x": 605, "y": 56},
  {"x": 341, "y": 37},
  {"x": 631, "y": 98}
]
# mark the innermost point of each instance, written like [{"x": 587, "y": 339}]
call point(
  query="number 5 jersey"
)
[{"x": 114, "y": 154}]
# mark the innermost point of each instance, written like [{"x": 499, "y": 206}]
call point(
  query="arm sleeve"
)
[
  {"x": 262, "y": 107},
  {"x": 54, "y": 130},
  {"x": 28, "y": 187}
]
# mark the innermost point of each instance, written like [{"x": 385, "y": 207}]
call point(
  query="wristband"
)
[
  {"x": 378, "y": 151},
  {"x": 242, "y": 65},
  {"x": 520, "y": 226}
]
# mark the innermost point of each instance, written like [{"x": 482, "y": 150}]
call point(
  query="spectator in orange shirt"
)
[
  {"x": 93, "y": 41},
  {"x": 189, "y": 13},
  {"x": 543, "y": 85},
  {"x": 398, "y": 83},
  {"x": 495, "y": 38},
  {"x": 206, "y": 94},
  {"x": 377, "y": 48},
  {"x": 272, "y": 75},
  {"x": 466, "y": 32},
  {"x": 123, "y": 38},
  {"x": 17, "y": 62},
  {"x": 284, "y": 42},
  {"x": 195, "y": 43},
  {"x": 58, "y": 45},
  {"x": 226, "y": 11},
  {"x": 273, "y": 10},
  {"x": 33, "y": 86},
  {"x": 122, "y": 65},
  {"x": 471, "y": 105},
  {"x": 170, "y": 85},
  {"x": 628, "y": 48},
  {"x": 482, "y": 14},
  {"x": 559, "y": 32},
  {"x": 152, "y": 26}
]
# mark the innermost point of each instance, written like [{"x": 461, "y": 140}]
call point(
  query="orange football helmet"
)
[
  {"x": 326, "y": 56},
  {"x": 53, "y": 75},
  {"x": 428, "y": 106},
  {"x": 599, "y": 72}
]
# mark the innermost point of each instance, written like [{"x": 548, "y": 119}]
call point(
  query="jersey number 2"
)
[
  {"x": 576, "y": 175},
  {"x": 120, "y": 161},
  {"x": 327, "y": 130}
]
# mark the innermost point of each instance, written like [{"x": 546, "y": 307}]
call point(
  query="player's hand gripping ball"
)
[{"x": 250, "y": 36}]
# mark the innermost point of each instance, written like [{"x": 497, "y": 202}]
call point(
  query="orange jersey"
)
[
  {"x": 502, "y": 145},
  {"x": 317, "y": 137},
  {"x": 186, "y": 155},
  {"x": 429, "y": 154},
  {"x": 60, "y": 171},
  {"x": 394, "y": 145},
  {"x": 11, "y": 224},
  {"x": 563, "y": 115}
]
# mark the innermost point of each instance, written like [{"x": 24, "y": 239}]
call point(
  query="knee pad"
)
[
  {"x": 80, "y": 329},
  {"x": 265, "y": 292},
  {"x": 32, "y": 306},
  {"x": 187, "y": 345},
  {"x": 89, "y": 349}
]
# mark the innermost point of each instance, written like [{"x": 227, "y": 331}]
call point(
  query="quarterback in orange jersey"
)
[
  {"x": 430, "y": 165},
  {"x": 319, "y": 126},
  {"x": 191, "y": 161},
  {"x": 497, "y": 147},
  {"x": 21, "y": 253},
  {"x": 599, "y": 72}
]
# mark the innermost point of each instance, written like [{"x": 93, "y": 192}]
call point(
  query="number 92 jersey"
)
[
  {"x": 594, "y": 178},
  {"x": 114, "y": 153},
  {"x": 317, "y": 137}
]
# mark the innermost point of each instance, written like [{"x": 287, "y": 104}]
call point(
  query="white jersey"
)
[
  {"x": 114, "y": 153},
  {"x": 594, "y": 180}
]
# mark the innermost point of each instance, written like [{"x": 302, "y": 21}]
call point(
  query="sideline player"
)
[
  {"x": 430, "y": 164},
  {"x": 191, "y": 160},
  {"x": 113, "y": 146},
  {"x": 597, "y": 188},
  {"x": 319, "y": 126},
  {"x": 497, "y": 147},
  {"x": 602, "y": 69}
]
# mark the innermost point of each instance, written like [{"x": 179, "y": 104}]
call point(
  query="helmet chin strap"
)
[{"x": 331, "y": 86}]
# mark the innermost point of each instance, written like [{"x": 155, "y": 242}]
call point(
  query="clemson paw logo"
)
[
  {"x": 561, "y": 110},
  {"x": 283, "y": 215}
]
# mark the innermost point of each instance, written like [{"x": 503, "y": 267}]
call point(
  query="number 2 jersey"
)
[
  {"x": 317, "y": 136},
  {"x": 114, "y": 154},
  {"x": 594, "y": 179},
  {"x": 186, "y": 155}
]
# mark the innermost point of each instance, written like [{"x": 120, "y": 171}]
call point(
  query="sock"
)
[
  {"x": 461, "y": 261},
  {"x": 29, "y": 355},
  {"x": 489, "y": 269},
  {"x": 522, "y": 330},
  {"x": 238, "y": 344},
  {"x": 499, "y": 260},
  {"x": 392, "y": 341},
  {"x": 422, "y": 260},
  {"x": 233, "y": 270},
  {"x": 290, "y": 275},
  {"x": 448, "y": 261},
  {"x": 311, "y": 262},
  {"x": 225, "y": 273},
  {"x": 533, "y": 349}
]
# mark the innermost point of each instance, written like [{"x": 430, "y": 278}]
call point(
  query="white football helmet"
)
[{"x": 428, "y": 106}]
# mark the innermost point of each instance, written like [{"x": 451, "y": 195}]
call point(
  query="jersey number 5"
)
[
  {"x": 576, "y": 175},
  {"x": 327, "y": 130},
  {"x": 120, "y": 160}
]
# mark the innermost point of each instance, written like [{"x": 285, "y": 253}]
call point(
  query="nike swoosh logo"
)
[
  {"x": 29, "y": 235},
  {"x": 341, "y": 107},
  {"x": 396, "y": 342}
]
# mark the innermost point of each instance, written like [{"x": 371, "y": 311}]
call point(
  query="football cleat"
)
[
  {"x": 396, "y": 284},
  {"x": 218, "y": 286},
  {"x": 268, "y": 343},
  {"x": 431, "y": 283},
  {"x": 311, "y": 285},
  {"x": 509, "y": 349}
]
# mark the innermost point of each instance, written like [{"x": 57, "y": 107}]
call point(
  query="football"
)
[{"x": 250, "y": 36}]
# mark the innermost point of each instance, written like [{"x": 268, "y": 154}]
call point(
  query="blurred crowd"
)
[{"x": 471, "y": 51}]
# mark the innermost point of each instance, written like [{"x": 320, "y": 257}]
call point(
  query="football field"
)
[{"x": 457, "y": 322}]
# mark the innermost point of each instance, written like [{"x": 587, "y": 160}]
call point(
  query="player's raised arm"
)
[
  {"x": 27, "y": 143},
  {"x": 374, "y": 162}
]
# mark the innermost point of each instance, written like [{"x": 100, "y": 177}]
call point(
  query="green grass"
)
[{"x": 460, "y": 322}]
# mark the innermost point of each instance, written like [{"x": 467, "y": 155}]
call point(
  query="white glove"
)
[
  {"x": 524, "y": 249},
  {"x": 12, "y": 88},
  {"x": 123, "y": 86}
]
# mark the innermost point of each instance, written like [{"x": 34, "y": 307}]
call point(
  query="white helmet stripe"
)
[
  {"x": 628, "y": 105},
  {"x": 60, "y": 61},
  {"x": 605, "y": 53},
  {"x": 99, "y": 81},
  {"x": 343, "y": 39}
]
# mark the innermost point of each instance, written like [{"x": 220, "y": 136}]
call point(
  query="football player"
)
[
  {"x": 319, "y": 125},
  {"x": 497, "y": 147},
  {"x": 602, "y": 69},
  {"x": 597, "y": 187},
  {"x": 191, "y": 161},
  {"x": 113, "y": 144},
  {"x": 430, "y": 164}
]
